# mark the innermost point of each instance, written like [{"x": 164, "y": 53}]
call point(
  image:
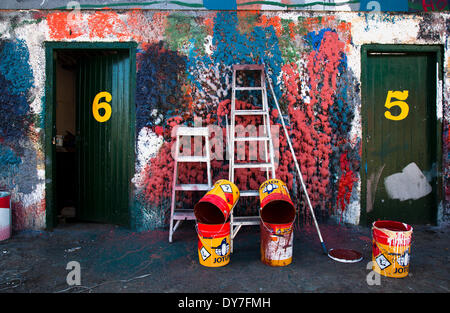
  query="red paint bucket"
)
[
  {"x": 216, "y": 206},
  {"x": 391, "y": 248},
  {"x": 5, "y": 215},
  {"x": 277, "y": 220},
  {"x": 213, "y": 244}
]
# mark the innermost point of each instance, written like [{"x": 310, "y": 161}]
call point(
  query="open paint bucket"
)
[
  {"x": 213, "y": 244},
  {"x": 277, "y": 215},
  {"x": 391, "y": 248},
  {"x": 216, "y": 205},
  {"x": 5, "y": 215}
]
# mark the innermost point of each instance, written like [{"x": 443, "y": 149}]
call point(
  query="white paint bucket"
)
[{"x": 5, "y": 215}]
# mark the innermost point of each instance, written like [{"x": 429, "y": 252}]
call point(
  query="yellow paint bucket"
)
[
  {"x": 277, "y": 219},
  {"x": 216, "y": 205},
  {"x": 391, "y": 248},
  {"x": 213, "y": 244}
]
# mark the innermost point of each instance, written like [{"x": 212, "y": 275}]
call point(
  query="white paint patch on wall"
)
[
  {"x": 384, "y": 28},
  {"x": 148, "y": 145},
  {"x": 410, "y": 184},
  {"x": 34, "y": 35}
]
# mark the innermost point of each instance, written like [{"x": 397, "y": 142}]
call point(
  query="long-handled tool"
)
[{"x": 296, "y": 164}]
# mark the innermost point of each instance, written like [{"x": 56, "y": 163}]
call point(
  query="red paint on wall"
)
[
  {"x": 60, "y": 26},
  {"x": 345, "y": 185},
  {"x": 107, "y": 23}
]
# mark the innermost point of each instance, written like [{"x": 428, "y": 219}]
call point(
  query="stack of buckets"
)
[
  {"x": 213, "y": 224},
  {"x": 277, "y": 215}
]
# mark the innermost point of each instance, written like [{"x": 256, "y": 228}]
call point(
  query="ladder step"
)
[
  {"x": 246, "y": 220},
  {"x": 251, "y": 138},
  {"x": 252, "y": 165},
  {"x": 249, "y": 193},
  {"x": 192, "y": 187},
  {"x": 248, "y": 88},
  {"x": 183, "y": 215},
  {"x": 250, "y": 112},
  {"x": 191, "y": 158}
]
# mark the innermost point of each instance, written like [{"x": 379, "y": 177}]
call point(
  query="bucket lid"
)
[{"x": 345, "y": 255}]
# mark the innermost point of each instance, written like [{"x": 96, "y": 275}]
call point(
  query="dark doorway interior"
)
[{"x": 66, "y": 163}]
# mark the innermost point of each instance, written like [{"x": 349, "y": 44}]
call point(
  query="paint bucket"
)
[
  {"x": 5, "y": 215},
  {"x": 213, "y": 244},
  {"x": 391, "y": 248},
  {"x": 277, "y": 215},
  {"x": 216, "y": 205}
]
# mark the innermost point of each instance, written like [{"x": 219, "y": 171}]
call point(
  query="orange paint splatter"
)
[
  {"x": 63, "y": 26},
  {"x": 103, "y": 24},
  {"x": 272, "y": 21}
]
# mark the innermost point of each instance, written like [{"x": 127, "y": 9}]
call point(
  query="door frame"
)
[
  {"x": 50, "y": 117},
  {"x": 437, "y": 50}
]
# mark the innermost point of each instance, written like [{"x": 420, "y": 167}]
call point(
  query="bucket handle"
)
[
  {"x": 200, "y": 237},
  {"x": 270, "y": 230}
]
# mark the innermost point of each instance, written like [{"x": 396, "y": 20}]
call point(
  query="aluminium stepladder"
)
[
  {"x": 180, "y": 215},
  {"x": 236, "y": 222}
]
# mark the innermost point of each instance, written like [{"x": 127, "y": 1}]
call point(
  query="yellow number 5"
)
[
  {"x": 96, "y": 106},
  {"x": 404, "y": 107}
]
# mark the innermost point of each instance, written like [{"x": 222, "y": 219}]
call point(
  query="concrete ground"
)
[{"x": 117, "y": 260}]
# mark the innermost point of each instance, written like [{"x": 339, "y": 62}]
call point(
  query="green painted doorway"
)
[
  {"x": 401, "y": 134},
  {"x": 104, "y": 79}
]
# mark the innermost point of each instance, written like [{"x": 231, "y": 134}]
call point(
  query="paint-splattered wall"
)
[{"x": 183, "y": 65}]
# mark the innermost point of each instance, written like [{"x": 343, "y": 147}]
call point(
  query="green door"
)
[
  {"x": 105, "y": 137},
  {"x": 400, "y": 137}
]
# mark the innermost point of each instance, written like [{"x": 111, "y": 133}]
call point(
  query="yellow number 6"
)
[
  {"x": 404, "y": 107},
  {"x": 96, "y": 106}
]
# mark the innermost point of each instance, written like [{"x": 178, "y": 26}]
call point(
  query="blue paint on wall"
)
[
  {"x": 159, "y": 79},
  {"x": 258, "y": 46},
  {"x": 16, "y": 79},
  {"x": 314, "y": 39},
  {"x": 14, "y": 66}
]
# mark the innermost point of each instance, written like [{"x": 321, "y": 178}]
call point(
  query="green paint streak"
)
[
  {"x": 191, "y": 5},
  {"x": 97, "y": 6},
  {"x": 287, "y": 47},
  {"x": 299, "y": 5},
  {"x": 182, "y": 30}
]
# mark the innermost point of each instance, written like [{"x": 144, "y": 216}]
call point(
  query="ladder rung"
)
[
  {"x": 250, "y": 112},
  {"x": 191, "y": 158},
  {"x": 249, "y": 193},
  {"x": 248, "y": 88},
  {"x": 252, "y": 165},
  {"x": 192, "y": 187},
  {"x": 183, "y": 215},
  {"x": 251, "y": 67},
  {"x": 246, "y": 220},
  {"x": 251, "y": 138}
]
